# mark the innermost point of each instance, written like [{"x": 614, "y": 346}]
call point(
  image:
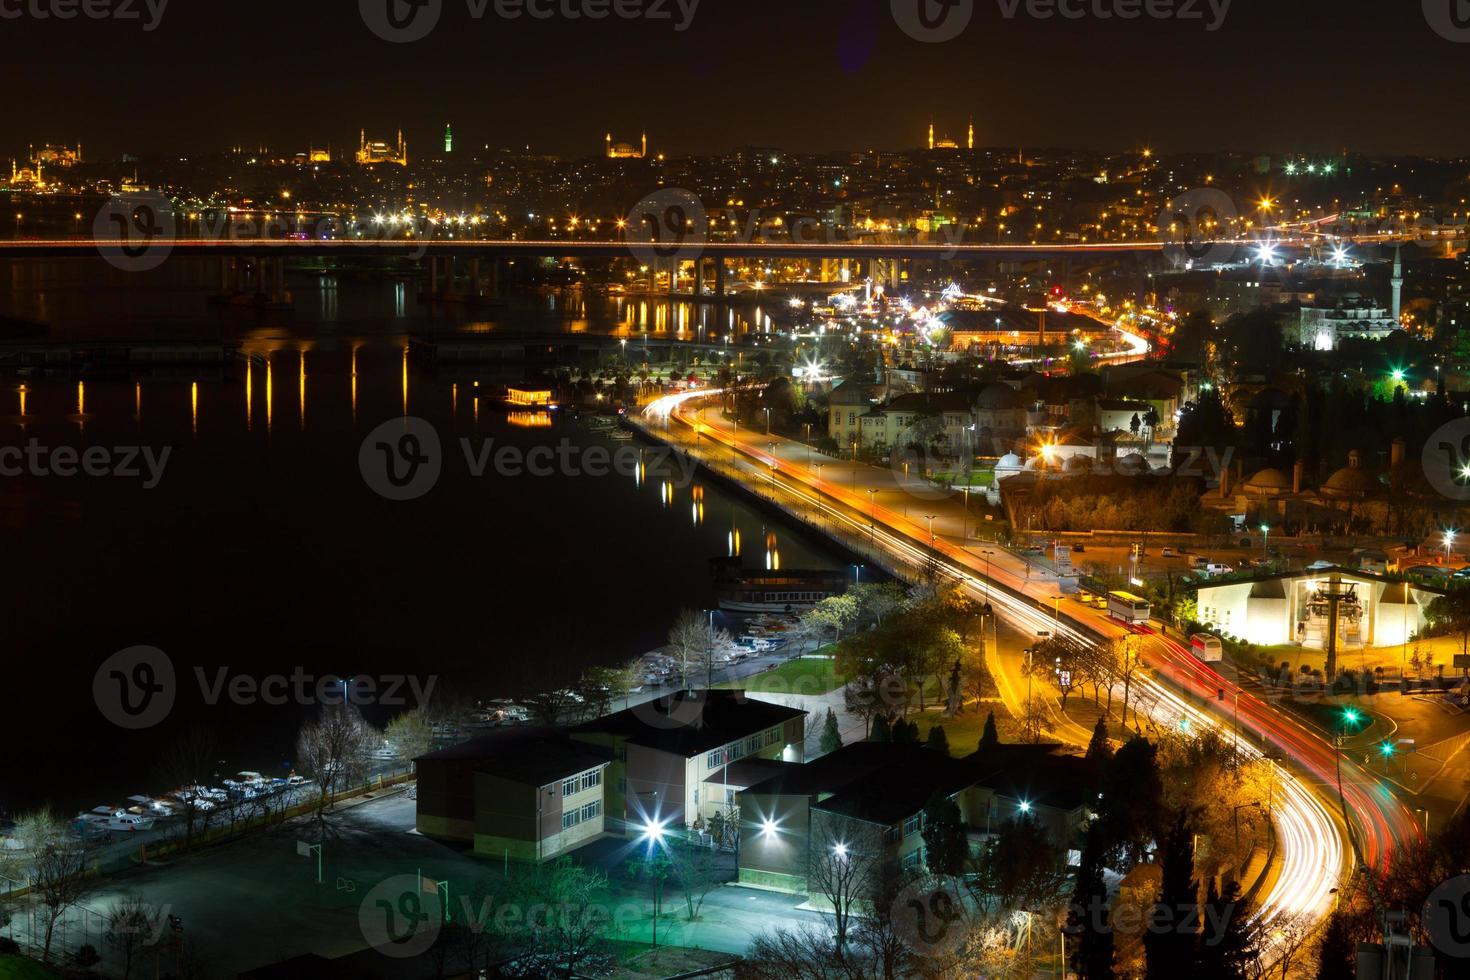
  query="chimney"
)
[{"x": 1297, "y": 472}]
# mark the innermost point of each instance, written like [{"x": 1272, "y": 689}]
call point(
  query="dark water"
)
[{"x": 263, "y": 550}]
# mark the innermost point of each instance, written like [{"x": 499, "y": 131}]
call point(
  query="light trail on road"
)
[{"x": 1311, "y": 852}]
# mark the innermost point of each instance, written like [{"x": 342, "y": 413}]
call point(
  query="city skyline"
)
[{"x": 1173, "y": 84}]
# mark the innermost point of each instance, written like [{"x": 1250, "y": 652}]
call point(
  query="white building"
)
[{"x": 1292, "y": 608}]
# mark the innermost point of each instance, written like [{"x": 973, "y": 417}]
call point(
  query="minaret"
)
[
  {"x": 931, "y": 134},
  {"x": 609, "y": 146},
  {"x": 1398, "y": 283},
  {"x": 645, "y": 146},
  {"x": 971, "y": 141}
]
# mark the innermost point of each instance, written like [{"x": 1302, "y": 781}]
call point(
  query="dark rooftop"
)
[
  {"x": 533, "y": 756},
  {"x": 689, "y": 724}
]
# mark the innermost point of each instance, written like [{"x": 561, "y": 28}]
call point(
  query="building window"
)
[
  {"x": 570, "y": 819},
  {"x": 752, "y": 744},
  {"x": 891, "y": 834},
  {"x": 715, "y": 759},
  {"x": 913, "y": 824},
  {"x": 568, "y": 787},
  {"x": 592, "y": 779},
  {"x": 773, "y": 736},
  {"x": 592, "y": 810}
]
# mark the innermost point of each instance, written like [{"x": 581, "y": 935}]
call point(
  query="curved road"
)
[{"x": 1321, "y": 838}]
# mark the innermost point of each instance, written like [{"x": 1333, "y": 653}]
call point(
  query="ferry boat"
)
[{"x": 742, "y": 591}]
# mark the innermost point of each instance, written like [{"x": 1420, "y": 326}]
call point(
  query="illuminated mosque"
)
[
  {"x": 372, "y": 153},
  {"x": 626, "y": 151},
  {"x": 945, "y": 143}
]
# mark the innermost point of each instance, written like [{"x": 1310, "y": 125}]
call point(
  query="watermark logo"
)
[
  {"x": 670, "y": 225},
  {"x": 401, "y": 459},
  {"x": 400, "y": 918},
  {"x": 136, "y": 233},
  {"x": 1446, "y": 460},
  {"x": 929, "y": 918},
  {"x": 683, "y": 709},
  {"x": 1447, "y": 916},
  {"x": 135, "y": 688},
  {"x": 1449, "y": 18},
  {"x": 405, "y": 21},
  {"x": 933, "y": 21},
  {"x": 119, "y": 10},
  {"x": 401, "y": 21},
  {"x": 1192, "y": 225}
]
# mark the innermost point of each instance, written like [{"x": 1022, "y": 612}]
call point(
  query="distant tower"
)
[
  {"x": 448, "y": 139},
  {"x": 645, "y": 146},
  {"x": 1398, "y": 283},
  {"x": 931, "y": 134},
  {"x": 971, "y": 141}
]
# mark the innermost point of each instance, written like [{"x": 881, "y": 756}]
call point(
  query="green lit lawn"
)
[
  {"x": 805, "y": 675},
  {"x": 20, "y": 968}
]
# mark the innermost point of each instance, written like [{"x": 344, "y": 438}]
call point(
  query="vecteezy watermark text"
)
[
  {"x": 405, "y": 21},
  {"x": 120, "y": 10},
  {"x": 403, "y": 459},
  {"x": 124, "y": 462},
  {"x": 937, "y": 21},
  {"x": 137, "y": 688}
]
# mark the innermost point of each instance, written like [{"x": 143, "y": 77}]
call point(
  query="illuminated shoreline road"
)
[
  {"x": 1317, "y": 847},
  {"x": 686, "y": 251}
]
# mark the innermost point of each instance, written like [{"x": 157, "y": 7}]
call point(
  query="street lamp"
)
[
  {"x": 930, "y": 519},
  {"x": 1449, "y": 543},
  {"x": 1265, "y": 537},
  {"x": 873, "y": 521}
]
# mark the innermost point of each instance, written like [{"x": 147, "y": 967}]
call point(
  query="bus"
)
[
  {"x": 1206, "y": 648},
  {"x": 1129, "y": 608}
]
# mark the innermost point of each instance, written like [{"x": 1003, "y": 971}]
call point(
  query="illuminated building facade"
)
[
  {"x": 376, "y": 152},
  {"x": 626, "y": 151},
  {"x": 56, "y": 156},
  {"x": 27, "y": 178},
  {"x": 448, "y": 138},
  {"x": 315, "y": 155}
]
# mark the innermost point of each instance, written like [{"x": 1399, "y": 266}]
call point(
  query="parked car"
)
[
  {"x": 1218, "y": 568},
  {"x": 1169, "y": 553}
]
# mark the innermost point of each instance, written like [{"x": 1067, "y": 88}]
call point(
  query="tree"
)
[
  {"x": 1035, "y": 720},
  {"x": 696, "y": 872},
  {"x": 1099, "y": 749},
  {"x": 1133, "y": 798},
  {"x": 834, "y": 613},
  {"x": 1336, "y": 955},
  {"x": 336, "y": 750},
  {"x": 696, "y": 644},
  {"x": 134, "y": 928},
  {"x": 989, "y": 738},
  {"x": 59, "y": 869},
  {"x": 905, "y": 732},
  {"x": 1088, "y": 919},
  {"x": 1230, "y": 941},
  {"x": 831, "y": 739},
  {"x": 1062, "y": 663},
  {"x": 1173, "y": 921},
  {"x": 946, "y": 839},
  {"x": 843, "y": 863},
  {"x": 563, "y": 915},
  {"x": 882, "y": 730},
  {"x": 938, "y": 741},
  {"x": 409, "y": 735},
  {"x": 187, "y": 762},
  {"x": 1018, "y": 868}
]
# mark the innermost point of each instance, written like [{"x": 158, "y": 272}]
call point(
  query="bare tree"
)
[
  {"x": 843, "y": 866},
  {"x": 187, "y": 763},
  {"x": 59, "y": 868},
  {"x": 696, "y": 871},
  {"x": 1035, "y": 721},
  {"x": 134, "y": 928},
  {"x": 696, "y": 644},
  {"x": 336, "y": 750}
]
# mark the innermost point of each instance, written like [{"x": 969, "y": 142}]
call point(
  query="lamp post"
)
[
  {"x": 873, "y": 519},
  {"x": 930, "y": 519},
  {"x": 1265, "y": 539},
  {"x": 1449, "y": 544}
]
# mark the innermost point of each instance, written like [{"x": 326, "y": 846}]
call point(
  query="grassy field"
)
[
  {"x": 20, "y": 968},
  {"x": 805, "y": 675}
]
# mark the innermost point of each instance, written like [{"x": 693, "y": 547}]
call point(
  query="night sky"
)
[{"x": 1307, "y": 76}]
